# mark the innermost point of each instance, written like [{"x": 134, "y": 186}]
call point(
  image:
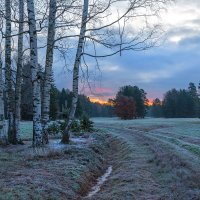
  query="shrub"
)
[
  {"x": 53, "y": 128},
  {"x": 86, "y": 124},
  {"x": 62, "y": 125},
  {"x": 75, "y": 126}
]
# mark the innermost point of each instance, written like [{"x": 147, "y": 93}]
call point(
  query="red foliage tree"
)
[{"x": 125, "y": 107}]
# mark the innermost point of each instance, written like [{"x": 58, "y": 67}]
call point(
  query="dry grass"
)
[
  {"x": 152, "y": 160},
  {"x": 157, "y": 165},
  {"x": 45, "y": 173}
]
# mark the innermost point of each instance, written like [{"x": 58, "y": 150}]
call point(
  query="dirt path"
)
[{"x": 148, "y": 168}]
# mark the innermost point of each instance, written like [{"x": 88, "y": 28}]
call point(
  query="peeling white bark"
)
[
  {"x": 76, "y": 71},
  {"x": 37, "y": 128},
  {"x": 48, "y": 69},
  {"x": 19, "y": 72}
]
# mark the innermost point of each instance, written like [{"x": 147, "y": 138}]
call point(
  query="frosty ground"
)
[{"x": 151, "y": 159}]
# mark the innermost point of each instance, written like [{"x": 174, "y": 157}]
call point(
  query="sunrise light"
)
[{"x": 98, "y": 100}]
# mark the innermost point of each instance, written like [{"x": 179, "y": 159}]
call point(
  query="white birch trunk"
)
[
  {"x": 48, "y": 69},
  {"x": 19, "y": 72},
  {"x": 65, "y": 138},
  {"x": 37, "y": 128},
  {"x": 8, "y": 74},
  {"x": 3, "y": 123}
]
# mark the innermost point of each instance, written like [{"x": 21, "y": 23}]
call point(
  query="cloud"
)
[
  {"x": 149, "y": 77},
  {"x": 109, "y": 67},
  {"x": 103, "y": 90},
  {"x": 182, "y": 20},
  {"x": 174, "y": 64}
]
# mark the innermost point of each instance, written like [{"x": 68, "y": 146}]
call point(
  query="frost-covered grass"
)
[
  {"x": 26, "y": 130},
  {"x": 51, "y": 173},
  {"x": 151, "y": 159},
  {"x": 162, "y": 160},
  {"x": 184, "y": 132},
  {"x": 182, "y": 126},
  {"x": 147, "y": 121}
]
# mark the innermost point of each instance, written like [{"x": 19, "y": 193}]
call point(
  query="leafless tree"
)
[
  {"x": 65, "y": 138},
  {"x": 8, "y": 73},
  {"x": 3, "y": 124},
  {"x": 109, "y": 25},
  {"x": 17, "y": 116},
  {"x": 36, "y": 76},
  {"x": 48, "y": 68}
]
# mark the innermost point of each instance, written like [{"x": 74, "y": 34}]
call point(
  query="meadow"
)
[
  {"x": 150, "y": 158},
  {"x": 182, "y": 132}
]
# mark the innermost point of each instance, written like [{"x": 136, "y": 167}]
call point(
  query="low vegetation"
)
[
  {"x": 150, "y": 158},
  {"x": 54, "y": 172},
  {"x": 161, "y": 159}
]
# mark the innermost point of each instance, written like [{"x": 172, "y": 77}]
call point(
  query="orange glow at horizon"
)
[
  {"x": 150, "y": 102},
  {"x": 97, "y": 100}
]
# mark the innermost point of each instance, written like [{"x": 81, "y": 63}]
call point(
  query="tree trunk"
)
[
  {"x": 19, "y": 73},
  {"x": 8, "y": 74},
  {"x": 48, "y": 69},
  {"x": 3, "y": 124},
  {"x": 37, "y": 128},
  {"x": 65, "y": 138}
]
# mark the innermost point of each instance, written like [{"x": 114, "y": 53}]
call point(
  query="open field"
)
[
  {"x": 163, "y": 158},
  {"x": 151, "y": 159}
]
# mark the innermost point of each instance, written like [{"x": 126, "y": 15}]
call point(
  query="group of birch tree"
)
[{"x": 82, "y": 29}]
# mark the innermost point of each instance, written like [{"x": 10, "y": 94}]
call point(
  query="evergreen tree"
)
[
  {"x": 193, "y": 93},
  {"x": 54, "y": 106},
  {"x": 156, "y": 108},
  {"x": 26, "y": 97},
  {"x": 181, "y": 103}
]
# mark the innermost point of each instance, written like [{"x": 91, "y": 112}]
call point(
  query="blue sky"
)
[{"x": 173, "y": 64}]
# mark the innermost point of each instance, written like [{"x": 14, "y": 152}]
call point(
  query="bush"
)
[
  {"x": 75, "y": 126},
  {"x": 62, "y": 125},
  {"x": 53, "y": 128},
  {"x": 86, "y": 124}
]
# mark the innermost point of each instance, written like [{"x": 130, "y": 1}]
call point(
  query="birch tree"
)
[
  {"x": 3, "y": 131},
  {"x": 19, "y": 72},
  {"x": 65, "y": 138},
  {"x": 3, "y": 124},
  {"x": 8, "y": 74},
  {"x": 110, "y": 26},
  {"x": 36, "y": 76},
  {"x": 48, "y": 69}
]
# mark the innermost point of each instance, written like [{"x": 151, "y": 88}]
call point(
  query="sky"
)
[{"x": 173, "y": 64}]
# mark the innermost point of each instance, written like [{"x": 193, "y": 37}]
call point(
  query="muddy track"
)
[{"x": 148, "y": 168}]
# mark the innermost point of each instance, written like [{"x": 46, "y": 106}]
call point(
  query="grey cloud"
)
[{"x": 157, "y": 70}]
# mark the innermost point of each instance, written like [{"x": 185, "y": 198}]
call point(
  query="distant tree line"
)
[
  {"x": 177, "y": 103},
  {"x": 60, "y": 102},
  {"x": 29, "y": 27}
]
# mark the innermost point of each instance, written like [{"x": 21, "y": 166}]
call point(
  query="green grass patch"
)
[{"x": 26, "y": 130}]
